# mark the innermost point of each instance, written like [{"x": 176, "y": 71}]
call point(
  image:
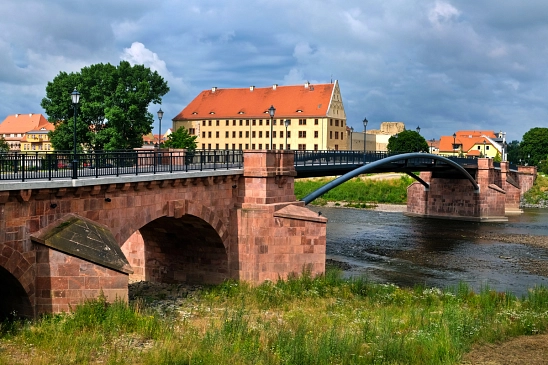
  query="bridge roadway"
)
[{"x": 112, "y": 167}]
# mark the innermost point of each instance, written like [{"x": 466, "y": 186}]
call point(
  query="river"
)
[{"x": 390, "y": 247}]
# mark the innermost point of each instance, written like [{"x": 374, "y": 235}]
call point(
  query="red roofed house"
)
[
  {"x": 471, "y": 143},
  {"x": 26, "y": 132},
  {"x": 240, "y": 119}
]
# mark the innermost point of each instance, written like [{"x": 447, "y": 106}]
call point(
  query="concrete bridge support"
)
[
  {"x": 60, "y": 245},
  {"x": 454, "y": 198}
]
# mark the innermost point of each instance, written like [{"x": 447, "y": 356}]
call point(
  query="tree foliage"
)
[
  {"x": 534, "y": 146},
  {"x": 113, "y": 109},
  {"x": 407, "y": 141},
  {"x": 4, "y": 146},
  {"x": 181, "y": 139}
]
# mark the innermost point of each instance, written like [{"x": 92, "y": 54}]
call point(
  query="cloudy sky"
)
[{"x": 442, "y": 65}]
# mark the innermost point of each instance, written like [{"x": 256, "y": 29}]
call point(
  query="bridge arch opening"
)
[
  {"x": 175, "y": 250},
  {"x": 14, "y": 301}
]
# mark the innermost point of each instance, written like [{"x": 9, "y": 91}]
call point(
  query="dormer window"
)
[
  {"x": 194, "y": 113},
  {"x": 299, "y": 111},
  {"x": 240, "y": 112},
  {"x": 211, "y": 112}
]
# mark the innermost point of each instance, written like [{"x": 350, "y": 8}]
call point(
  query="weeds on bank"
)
[
  {"x": 539, "y": 190},
  {"x": 305, "y": 320},
  {"x": 357, "y": 192}
]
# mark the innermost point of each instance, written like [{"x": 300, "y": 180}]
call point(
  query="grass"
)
[
  {"x": 358, "y": 192},
  {"x": 539, "y": 191},
  {"x": 306, "y": 320}
]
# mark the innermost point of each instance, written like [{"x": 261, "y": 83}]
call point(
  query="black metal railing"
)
[{"x": 58, "y": 165}]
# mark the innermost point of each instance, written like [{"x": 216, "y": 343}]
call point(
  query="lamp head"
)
[
  {"x": 160, "y": 114},
  {"x": 286, "y": 122},
  {"x": 75, "y": 95},
  {"x": 418, "y": 129},
  {"x": 271, "y": 111},
  {"x": 365, "y": 121}
]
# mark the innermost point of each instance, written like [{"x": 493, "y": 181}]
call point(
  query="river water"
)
[{"x": 390, "y": 247}]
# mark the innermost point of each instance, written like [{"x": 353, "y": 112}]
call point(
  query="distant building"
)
[
  {"x": 15, "y": 129},
  {"x": 473, "y": 144},
  {"x": 377, "y": 139},
  {"x": 239, "y": 118}
]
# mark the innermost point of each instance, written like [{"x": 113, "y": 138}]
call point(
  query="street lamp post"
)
[
  {"x": 418, "y": 129},
  {"x": 351, "y": 134},
  {"x": 160, "y": 116},
  {"x": 286, "y": 122},
  {"x": 75, "y": 95},
  {"x": 432, "y": 145},
  {"x": 484, "y": 149},
  {"x": 454, "y": 143},
  {"x": 271, "y": 111},
  {"x": 364, "y": 133}
]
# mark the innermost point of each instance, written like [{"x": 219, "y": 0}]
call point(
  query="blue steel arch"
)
[{"x": 373, "y": 165}]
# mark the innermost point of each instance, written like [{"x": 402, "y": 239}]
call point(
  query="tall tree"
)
[
  {"x": 181, "y": 139},
  {"x": 4, "y": 145},
  {"x": 534, "y": 146},
  {"x": 407, "y": 141},
  {"x": 113, "y": 109}
]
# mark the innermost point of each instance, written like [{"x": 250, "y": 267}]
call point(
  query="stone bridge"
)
[{"x": 64, "y": 241}]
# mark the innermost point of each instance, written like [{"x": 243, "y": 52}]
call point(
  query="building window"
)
[
  {"x": 247, "y": 122},
  {"x": 246, "y": 134},
  {"x": 234, "y": 134},
  {"x": 267, "y": 135},
  {"x": 247, "y": 146},
  {"x": 302, "y": 134},
  {"x": 273, "y": 146},
  {"x": 216, "y": 146},
  {"x": 288, "y": 134},
  {"x": 203, "y": 123},
  {"x": 341, "y": 136},
  {"x": 209, "y": 123},
  {"x": 226, "y": 134},
  {"x": 217, "y": 124},
  {"x": 315, "y": 147},
  {"x": 254, "y": 122},
  {"x": 330, "y": 134},
  {"x": 241, "y": 123},
  {"x": 240, "y": 146},
  {"x": 336, "y": 147},
  {"x": 260, "y": 123},
  {"x": 234, "y": 122},
  {"x": 253, "y": 134},
  {"x": 203, "y": 146},
  {"x": 209, "y": 146},
  {"x": 233, "y": 146},
  {"x": 281, "y": 134},
  {"x": 315, "y": 134},
  {"x": 273, "y": 134},
  {"x": 331, "y": 122},
  {"x": 240, "y": 134},
  {"x": 253, "y": 146},
  {"x": 226, "y": 146},
  {"x": 336, "y": 122},
  {"x": 315, "y": 121},
  {"x": 302, "y": 121},
  {"x": 336, "y": 135},
  {"x": 302, "y": 147},
  {"x": 203, "y": 135},
  {"x": 288, "y": 146},
  {"x": 260, "y": 146},
  {"x": 260, "y": 135}
]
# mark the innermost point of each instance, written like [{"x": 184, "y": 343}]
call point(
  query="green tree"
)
[
  {"x": 407, "y": 141},
  {"x": 534, "y": 146},
  {"x": 113, "y": 109},
  {"x": 513, "y": 151},
  {"x": 4, "y": 146},
  {"x": 181, "y": 139}
]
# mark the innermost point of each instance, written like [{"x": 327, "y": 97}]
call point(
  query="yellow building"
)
[
  {"x": 471, "y": 144},
  {"x": 240, "y": 118},
  {"x": 16, "y": 129}
]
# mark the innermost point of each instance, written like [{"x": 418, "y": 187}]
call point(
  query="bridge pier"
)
[{"x": 455, "y": 198}]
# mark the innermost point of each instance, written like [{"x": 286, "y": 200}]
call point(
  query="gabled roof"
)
[
  {"x": 22, "y": 123},
  {"x": 290, "y": 101},
  {"x": 467, "y": 142}
]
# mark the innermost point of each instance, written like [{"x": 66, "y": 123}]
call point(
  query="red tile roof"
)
[
  {"x": 290, "y": 101},
  {"x": 22, "y": 123},
  {"x": 467, "y": 142}
]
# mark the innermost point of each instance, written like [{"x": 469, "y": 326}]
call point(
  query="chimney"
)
[
  {"x": 306, "y": 85},
  {"x": 274, "y": 86},
  {"x": 251, "y": 88},
  {"x": 213, "y": 89}
]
